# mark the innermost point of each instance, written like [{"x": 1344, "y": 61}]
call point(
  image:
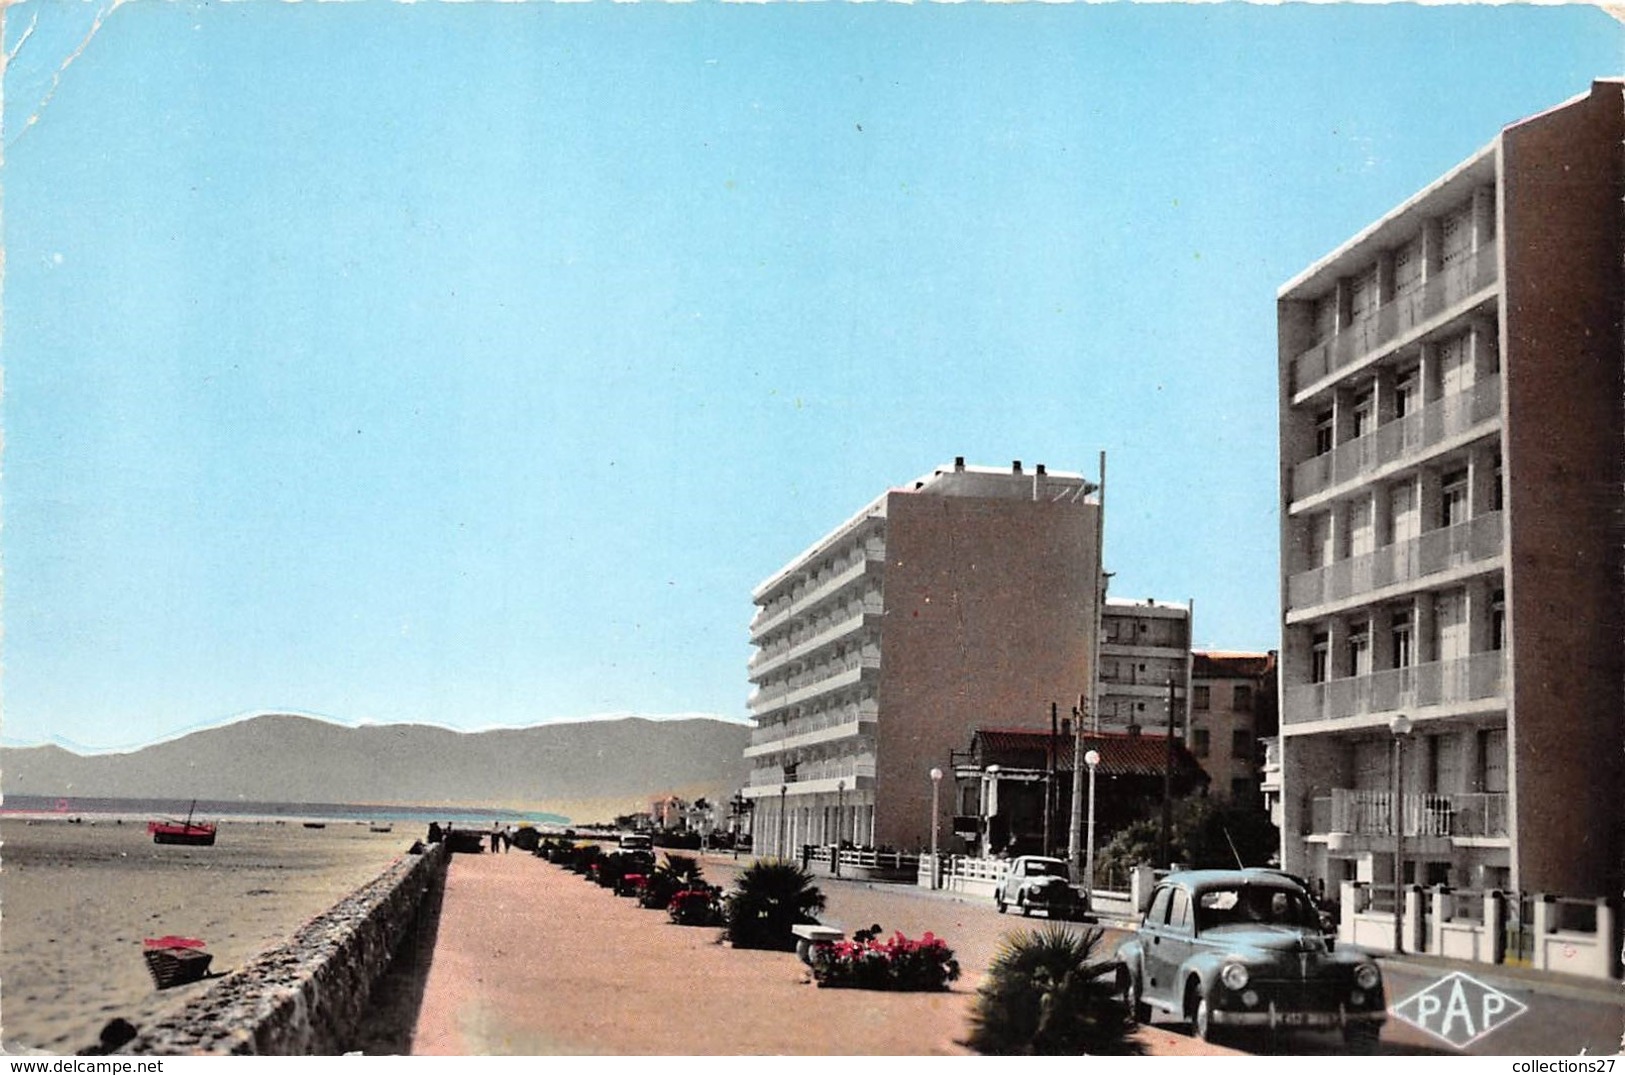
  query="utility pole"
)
[
  {"x": 1074, "y": 848},
  {"x": 1049, "y": 784},
  {"x": 1168, "y": 782}
]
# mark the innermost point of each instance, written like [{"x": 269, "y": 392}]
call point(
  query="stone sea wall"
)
[{"x": 307, "y": 996}]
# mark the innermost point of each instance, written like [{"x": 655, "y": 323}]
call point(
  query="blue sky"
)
[{"x": 470, "y": 363}]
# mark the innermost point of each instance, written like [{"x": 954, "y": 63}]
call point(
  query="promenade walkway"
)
[{"x": 532, "y": 959}]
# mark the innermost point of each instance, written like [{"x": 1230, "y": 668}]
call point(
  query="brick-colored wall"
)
[
  {"x": 1564, "y": 447},
  {"x": 989, "y": 618}
]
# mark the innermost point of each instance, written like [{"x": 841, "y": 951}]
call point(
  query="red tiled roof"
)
[
  {"x": 1121, "y": 754},
  {"x": 1218, "y": 664}
]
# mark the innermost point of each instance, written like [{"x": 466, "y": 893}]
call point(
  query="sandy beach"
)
[{"x": 76, "y": 900}]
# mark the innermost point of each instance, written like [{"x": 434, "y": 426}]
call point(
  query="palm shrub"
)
[
  {"x": 672, "y": 876},
  {"x": 768, "y": 899},
  {"x": 1047, "y": 994}
]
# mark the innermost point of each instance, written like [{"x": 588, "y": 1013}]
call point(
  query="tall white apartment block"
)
[
  {"x": 964, "y": 599},
  {"x": 1452, "y": 460}
]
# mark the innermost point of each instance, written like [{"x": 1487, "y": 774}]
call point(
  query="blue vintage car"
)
[{"x": 1244, "y": 948}]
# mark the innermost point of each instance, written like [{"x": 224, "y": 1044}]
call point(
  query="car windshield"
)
[
  {"x": 1042, "y": 868},
  {"x": 1254, "y": 904}
]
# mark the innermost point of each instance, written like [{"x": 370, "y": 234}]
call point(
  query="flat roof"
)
[{"x": 926, "y": 483}]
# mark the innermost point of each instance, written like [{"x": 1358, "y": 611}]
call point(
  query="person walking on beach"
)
[{"x": 496, "y": 834}]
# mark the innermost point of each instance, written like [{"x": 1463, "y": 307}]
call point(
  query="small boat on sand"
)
[
  {"x": 188, "y": 832},
  {"x": 315, "y": 824},
  {"x": 175, "y": 960},
  {"x": 381, "y": 826}
]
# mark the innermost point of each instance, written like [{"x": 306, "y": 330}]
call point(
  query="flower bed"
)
[
  {"x": 696, "y": 907},
  {"x": 866, "y": 962}
]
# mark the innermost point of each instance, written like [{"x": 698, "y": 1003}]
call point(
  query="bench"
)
[{"x": 807, "y": 936}]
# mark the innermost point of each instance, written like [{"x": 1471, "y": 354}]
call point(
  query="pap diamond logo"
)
[{"x": 1459, "y": 1009}]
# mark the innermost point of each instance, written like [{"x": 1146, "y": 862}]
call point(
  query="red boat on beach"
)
[
  {"x": 189, "y": 832},
  {"x": 175, "y": 960}
]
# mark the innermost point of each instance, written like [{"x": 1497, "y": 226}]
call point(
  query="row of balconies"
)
[
  {"x": 1401, "y": 439},
  {"x": 825, "y": 631},
  {"x": 848, "y": 769},
  {"x": 1474, "y": 678},
  {"x": 827, "y": 677},
  {"x": 844, "y": 722},
  {"x": 1475, "y": 541},
  {"x": 823, "y": 585},
  {"x": 1366, "y": 812},
  {"x": 1396, "y": 318}
]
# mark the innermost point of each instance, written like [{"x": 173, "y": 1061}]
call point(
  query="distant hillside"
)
[{"x": 283, "y": 758}]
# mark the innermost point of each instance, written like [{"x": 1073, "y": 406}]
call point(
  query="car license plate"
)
[{"x": 1294, "y": 1018}]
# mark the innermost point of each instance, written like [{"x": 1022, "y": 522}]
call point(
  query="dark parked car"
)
[
  {"x": 1036, "y": 882},
  {"x": 1244, "y": 948}
]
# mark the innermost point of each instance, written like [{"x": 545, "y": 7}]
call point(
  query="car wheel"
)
[
  {"x": 1138, "y": 1009},
  {"x": 1200, "y": 1013},
  {"x": 1021, "y": 901},
  {"x": 1362, "y": 1038},
  {"x": 998, "y": 901}
]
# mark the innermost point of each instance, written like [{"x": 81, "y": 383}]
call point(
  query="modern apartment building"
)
[
  {"x": 964, "y": 599},
  {"x": 1144, "y": 646},
  {"x": 1233, "y": 709},
  {"x": 1451, "y": 450}
]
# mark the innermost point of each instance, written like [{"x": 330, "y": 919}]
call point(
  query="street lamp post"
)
[
  {"x": 784, "y": 789},
  {"x": 840, "y": 808},
  {"x": 1091, "y": 759},
  {"x": 1400, "y": 727},
  {"x": 936, "y": 786}
]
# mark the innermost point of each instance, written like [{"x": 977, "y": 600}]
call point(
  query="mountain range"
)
[{"x": 585, "y": 771}]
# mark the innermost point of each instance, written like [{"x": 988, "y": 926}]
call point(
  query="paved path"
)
[{"x": 531, "y": 959}]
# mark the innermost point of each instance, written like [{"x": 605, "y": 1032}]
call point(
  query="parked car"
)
[
  {"x": 1244, "y": 948},
  {"x": 1036, "y": 882},
  {"x": 636, "y": 841}
]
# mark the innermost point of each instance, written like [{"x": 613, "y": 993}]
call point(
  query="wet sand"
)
[{"x": 76, "y": 900}]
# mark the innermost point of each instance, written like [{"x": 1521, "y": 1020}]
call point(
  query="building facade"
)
[
  {"x": 964, "y": 598},
  {"x": 1145, "y": 647},
  {"x": 1233, "y": 710},
  {"x": 1451, "y": 449}
]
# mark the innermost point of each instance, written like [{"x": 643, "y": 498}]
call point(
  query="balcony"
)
[
  {"x": 1475, "y": 541},
  {"x": 1395, "y": 442},
  {"x": 1271, "y": 780},
  {"x": 810, "y": 777},
  {"x": 1442, "y": 683},
  {"x": 819, "y": 635},
  {"x": 809, "y": 731},
  {"x": 808, "y": 685},
  {"x": 818, "y": 590},
  {"x": 1356, "y": 812},
  {"x": 1397, "y": 319}
]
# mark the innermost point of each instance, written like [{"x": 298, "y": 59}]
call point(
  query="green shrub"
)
[
  {"x": 677, "y": 873},
  {"x": 1047, "y": 994},
  {"x": 769, "y": 898}
]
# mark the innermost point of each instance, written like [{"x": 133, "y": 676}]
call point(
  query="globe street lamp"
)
[
  {"x": 840, "y": 808},
  {"x": 1400, "y": 727},
  {"x": 1091, "y": 759},
  {"x": 936, "y": 786}
]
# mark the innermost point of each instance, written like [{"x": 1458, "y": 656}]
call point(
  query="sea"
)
[{"x": 214, "y": 809}]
